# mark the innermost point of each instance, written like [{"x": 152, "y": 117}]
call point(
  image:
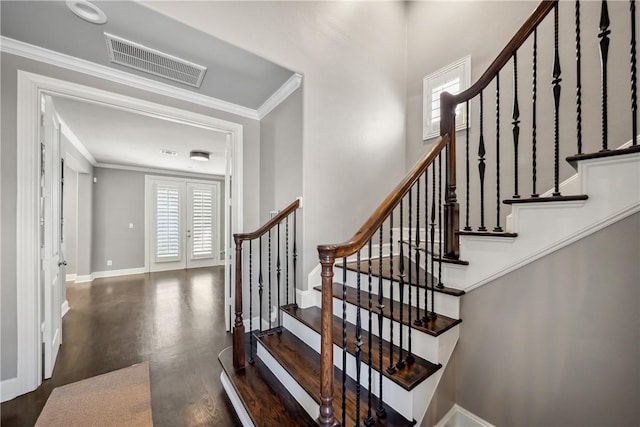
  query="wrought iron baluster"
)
[
  {"x": 440, "y": 202},
  {"x": 497, "y": 228},
  {"x": 534, "y": 98},
  {"x": 380, "y": 410},
  {"x": 251, "y": 361},
  {"x": 481, "y": 164},
  {"x": 428, "y": 316},
  {"x": 286, "y": 255},
  {"x": 260, "y": 283},
  {"x": 401, "y": 276},
  {"x": 269, "y": 279},
  {"x": 556, "y": 102},
  {"x": 603, "y": 35},
  {"x": 578, "y": 79},
  {"x": 467, "y": 136},
  {"x": 369, "y": 421},
  {"x": 516, "y": 124},
  {"x": 278, "y": 271},
  {"x": 344, "y": 340},
  {"x": 391, "y": 369},
  {"x": 295, "y": 260},
  {"x": 416, "y": 258},
  {"x": 358, "y": 337},
  {"x": 426, "y": 244},
  {"x": 634, "y": 79}
]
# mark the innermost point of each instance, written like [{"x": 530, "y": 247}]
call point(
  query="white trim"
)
[
  {"x": 84, "y": 278},
  {"x": 307, "y": 298},
  {"x": 75, "y": 141},
  {"x": 241, "y": 412},
  {"x": 280, "y": 95},
  {"x": 255, "y": 324},
  {"x": 117, "y": 273},
  {"x": 161, "y": 171},
  {"x": 9, "y": 389},
  {"x": 71, "y": 277},
  {"x": 458, "y": 416},
  {"x": 68, "y": 62},
  {"x": 64, "y": 309}
]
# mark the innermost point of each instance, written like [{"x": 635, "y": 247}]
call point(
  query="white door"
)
[
  {"x": 50, "y": 242},
  {"x": 184, "y": 224}
]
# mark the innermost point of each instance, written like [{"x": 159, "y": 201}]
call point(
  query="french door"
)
[{"x": 184, "y": 223}]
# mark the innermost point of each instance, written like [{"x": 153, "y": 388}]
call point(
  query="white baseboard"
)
[
  {"x": 71, "y": 277},
  {"x": 256, "y": 324},
  {"x": 242, "y": 413},
  {"x": 116, "y": 273},
  {"x": 65, "y": 308},
  {"x": 306, "y": 299},
  {"x": 460, "y": 417},
  {"x": 9, "y": 389},
  {"x": 84, "y": 278}
]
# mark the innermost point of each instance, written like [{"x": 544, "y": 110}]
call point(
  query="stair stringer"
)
[{"x": 613, "y": 187}]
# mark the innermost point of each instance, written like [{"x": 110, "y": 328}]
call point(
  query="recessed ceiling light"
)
[
  {"x": 201, "y": 156},
  {"x": 169, "y": 152},
  {"x": 87, "y": 11}
]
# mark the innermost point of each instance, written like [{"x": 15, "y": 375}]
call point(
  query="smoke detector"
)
[{"x": 134, "y": 55}]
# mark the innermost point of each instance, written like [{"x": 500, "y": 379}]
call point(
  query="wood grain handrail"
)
[
  {"x": 374, "y": 222},
  {"x": 240, "y": 237},
  {"x": 505, "y": 55}
]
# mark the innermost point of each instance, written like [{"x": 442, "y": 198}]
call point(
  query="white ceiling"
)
[{"x": 114, "y": 136}]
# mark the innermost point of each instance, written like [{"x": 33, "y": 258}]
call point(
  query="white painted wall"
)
[{"x": 352, "y": 57}]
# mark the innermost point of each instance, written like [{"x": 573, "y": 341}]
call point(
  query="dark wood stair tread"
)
[
  {"x": 601, "y": 154},
  {"x": 486, "y": 233},
  {"x": 303, "y": 364},
  {"x": 386, "y": 272},
  {"x": 434, "y": 327},
  {"x": 408, "y": 377},
  {"x": 547, "y": 199},
  {"x": 266, "y": 400}
]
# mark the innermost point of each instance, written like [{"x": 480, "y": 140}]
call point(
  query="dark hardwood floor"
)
[{"x": 174, "y": 320}]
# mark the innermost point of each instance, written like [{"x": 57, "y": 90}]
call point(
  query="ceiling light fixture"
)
[
  {"x": 201, "y": 156},
  {"x": 87, "y": 11}
]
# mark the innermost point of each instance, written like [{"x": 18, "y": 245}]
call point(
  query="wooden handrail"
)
[
  {"x": 240, "y": 237},
  {"x": 372, "y": 225},
  {"x": 505, "y": 55}
]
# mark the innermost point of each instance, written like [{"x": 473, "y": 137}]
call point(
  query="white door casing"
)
[{"x": 50, "y": 242}]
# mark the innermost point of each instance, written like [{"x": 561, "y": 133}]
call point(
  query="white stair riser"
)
[
  {"x": 393, "y": 394},
  {"x": 445, "y": 304}
]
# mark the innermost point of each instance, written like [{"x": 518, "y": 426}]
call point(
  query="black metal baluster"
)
[
  {"x": 401, "y": 276},
  {"x": 440, "y": 238},
  {"x": 516, "y": 124},
  {"x": 278, "y": 272},
  {"x": 369, "y": 421},
  {"x": 260, "y": 284},
  {"x": 428, "y": 316},
  {"x": 286, "y": 255},
  {"x": 426, "y": 245},
  {"x": 410, "y": 278},
  {"x": 481, "y": 164},
  {"x": 416, "y": 257},
  {"x": 556, "y": 102},
  {"x": 344, "y": 341},
  {"x": 295, "y": 260},
  {"x": 391, "y": 369},
  {"x": 380, "y": 411},
  {"x": 578, "y": 80},
  {"x": 358, "y": 342},
  {"x": 634, "y": 80},
  {"x": 251, "y": 361},
  {"x": 534, "y": 117},
  {"x": 269, "y": 279},
  {"x": 497, "y": 228},
  {"x": 603, "y": 35},
  {"x": 466, "y": 227}
]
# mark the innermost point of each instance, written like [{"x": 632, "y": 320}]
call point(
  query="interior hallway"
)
[{"x": 174, "y": 320}]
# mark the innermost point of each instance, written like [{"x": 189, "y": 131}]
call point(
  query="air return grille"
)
[{"x": 134, "y": 55}]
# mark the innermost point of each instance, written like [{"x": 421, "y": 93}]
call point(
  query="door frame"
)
[
  {"x": 30, "y": 87},
  {"x": 148, "y": 194}
]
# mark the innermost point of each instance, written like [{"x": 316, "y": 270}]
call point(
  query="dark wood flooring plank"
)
[{"x": 408, "y": 377}]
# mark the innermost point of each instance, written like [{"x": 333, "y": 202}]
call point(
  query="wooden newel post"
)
[
  {"x": 451, "y": 206},
  {"x": 238, "y": 326},
  {"x": 327, "y": 415}
]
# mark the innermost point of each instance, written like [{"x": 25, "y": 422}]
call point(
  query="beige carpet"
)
[{"x": 119, "y": 398}]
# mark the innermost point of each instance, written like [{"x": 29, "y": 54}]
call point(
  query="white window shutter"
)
[
  {"x": 202, "y": 227},
  {"x": 167, "y": 223}
]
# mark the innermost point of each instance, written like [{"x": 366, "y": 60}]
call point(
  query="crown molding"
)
[
  {"x": 280, "y": 95},
  {"x": 75, "y": 141},
  {"x": 68, "y": 62},
  {"x": 170, "y": 172}
]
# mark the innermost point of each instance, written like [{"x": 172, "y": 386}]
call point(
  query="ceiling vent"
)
[{"x": 134, "y": 55}]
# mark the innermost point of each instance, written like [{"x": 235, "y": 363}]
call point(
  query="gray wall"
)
[
  {"x": 70, "y": 219},
  {"x": 9, "y": 66},
  {"x": 557, "y": 342},
  {"x": 426, "y": 54},
  {"x": 118, "y": 200}
]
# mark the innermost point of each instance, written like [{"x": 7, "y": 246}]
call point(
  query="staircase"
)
[{"x": 371, "y": 343}]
